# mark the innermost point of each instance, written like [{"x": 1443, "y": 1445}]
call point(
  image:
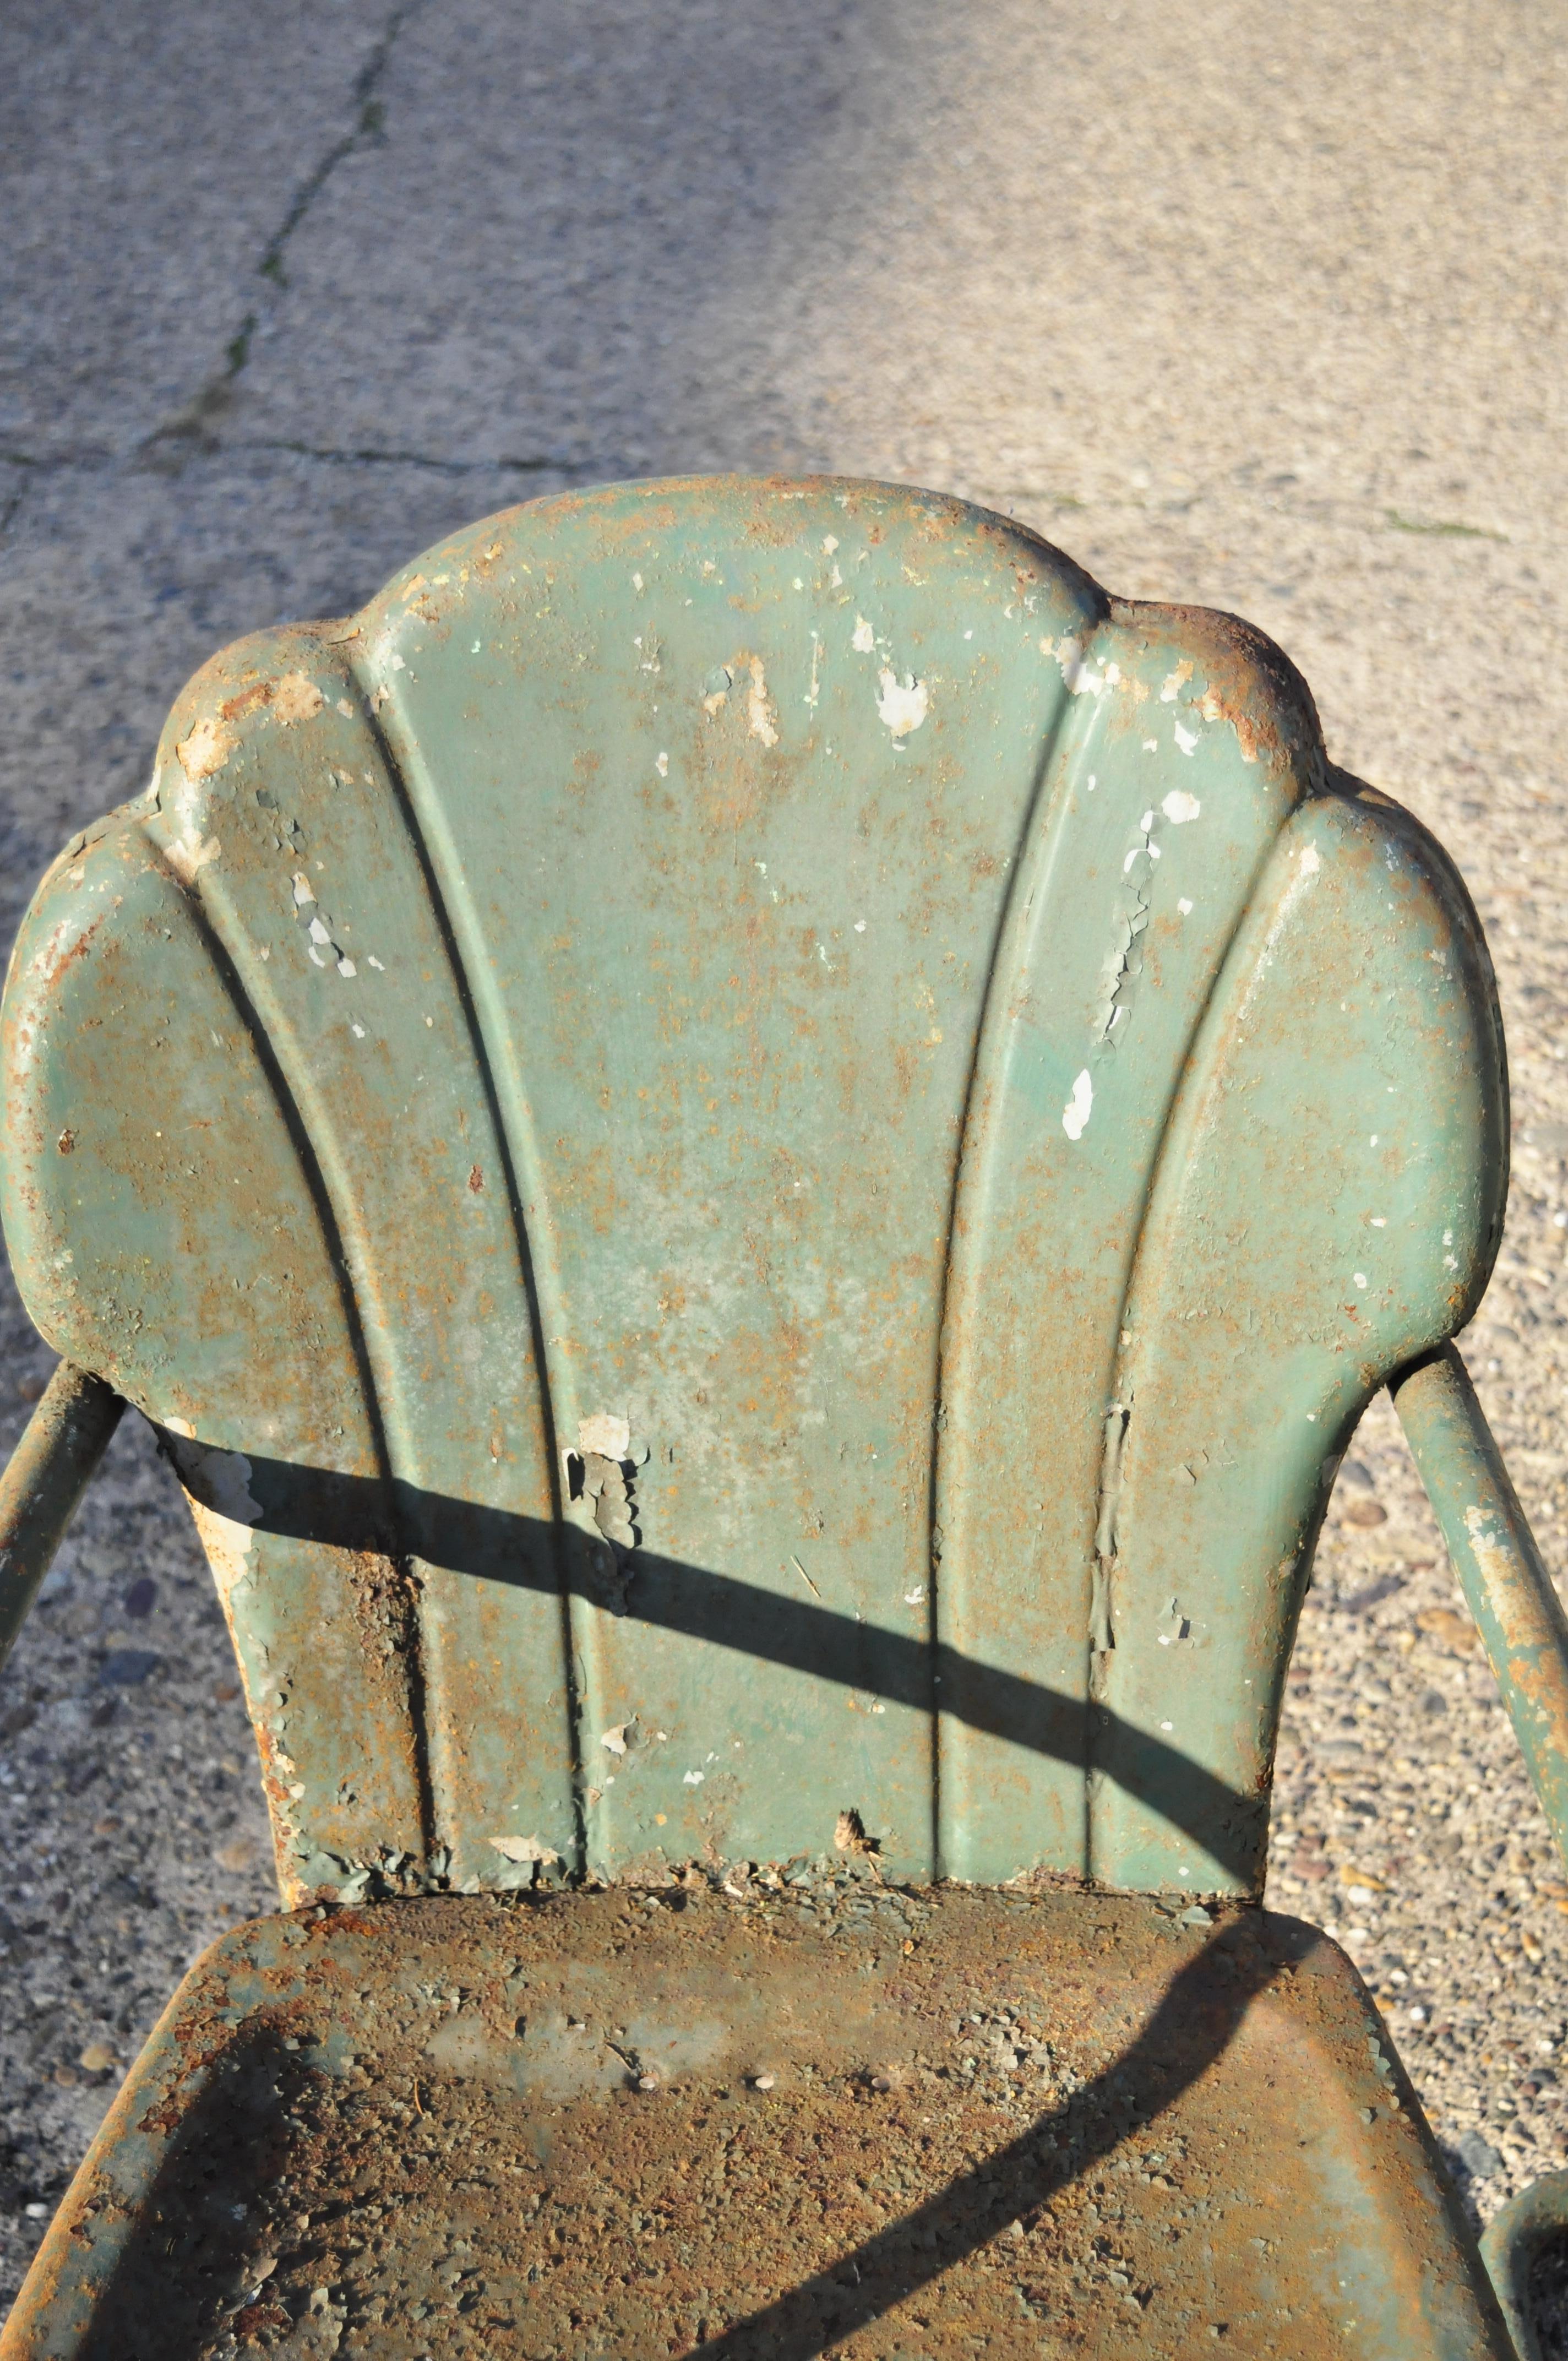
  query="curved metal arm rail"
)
[
  {"x": 1524, "y": 1633},
  {"x": 49, "y": 1471},
  {"x": 1531, "y": 2222},
  {"x": 1506, "y": 1584}
]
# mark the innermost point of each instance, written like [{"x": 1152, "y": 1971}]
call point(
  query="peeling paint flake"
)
[
  {"x": 862, "y": 639},
  {"x": 902, "y": 705},
  {"x": 187, "y": 855},
  {"x": 1180, "y": 807},
  {"x": 1075, "y": 1115},
  {"x": 522, "y": 1849},
  {"x": 296, "y": 698},
  {"x": 1079, "y": 677},
  {"x": 605, "y": 1433},
  {"x": 206, "y": 750},
  {"x": 762, "y": 715}
]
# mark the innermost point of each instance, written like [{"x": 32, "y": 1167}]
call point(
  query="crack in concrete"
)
[
  {"x": 542, "y": 464},
  {"x": 196, "y": 423}
]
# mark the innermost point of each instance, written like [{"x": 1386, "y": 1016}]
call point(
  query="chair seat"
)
[{"x": 823, "y": 2116}]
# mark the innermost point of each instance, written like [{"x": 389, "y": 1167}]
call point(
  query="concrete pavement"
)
[{"x": 1257, "y": 307}]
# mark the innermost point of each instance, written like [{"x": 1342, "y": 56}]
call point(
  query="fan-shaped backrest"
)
[{"x": 758, "y": 1152}]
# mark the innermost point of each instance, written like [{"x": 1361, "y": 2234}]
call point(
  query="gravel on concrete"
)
[{"x": 1260, "y": 308}]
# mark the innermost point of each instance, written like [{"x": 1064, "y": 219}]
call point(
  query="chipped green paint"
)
[
  {"x": 50, "y": 1468},
  {"x": 1506, "y": 1585},
  {"x": 757, "y": 1153}
]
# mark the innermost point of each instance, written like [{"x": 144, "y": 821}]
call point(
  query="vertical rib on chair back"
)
[{"x": 757, "y": 1152}]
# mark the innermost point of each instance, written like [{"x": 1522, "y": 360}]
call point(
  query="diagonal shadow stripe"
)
[
  {"x": 497, "y": 1545},
  {"x": 1196, "y": 2020}
]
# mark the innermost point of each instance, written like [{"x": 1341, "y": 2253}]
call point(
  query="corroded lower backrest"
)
[{"x": 757, "y": 1152}]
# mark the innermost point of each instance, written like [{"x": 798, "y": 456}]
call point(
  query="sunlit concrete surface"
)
[{"x": 1251, "y": 306}]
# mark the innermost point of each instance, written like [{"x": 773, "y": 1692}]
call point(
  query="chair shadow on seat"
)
[
  {"x": 294, "y": 2083},
  {"x": 191, "y": 2262}
]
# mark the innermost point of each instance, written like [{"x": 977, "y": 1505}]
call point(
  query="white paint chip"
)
[
  {"x": 1185, "y": 906},
  {"x": 694, "y": 1778},
  {"x": 760, "y": 718},
  {"x": 1359, "y": 1277},
  {"x": 605, "y": 1433},
  {"x": 614, "y": 1740},
  {"x": 662, "y": 765},
  {"x": 1180, "y": 807},
  {"x": 1081, "y": 679},
  {"x": 1186, "y": 739},
  {"x": 1075, "y": 1115},
  {"x": 902, "y": 705},
  {"x": 862, "y": 639}
]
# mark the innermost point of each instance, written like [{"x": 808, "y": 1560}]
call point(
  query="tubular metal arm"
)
[
  {"x": 49, "y": 1470},
  {"x": 1509, "y": 1590},
  {"x": 1524, "y": 1633}
]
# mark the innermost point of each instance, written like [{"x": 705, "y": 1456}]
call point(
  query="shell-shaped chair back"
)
[{"x": 757, "y": 1153}]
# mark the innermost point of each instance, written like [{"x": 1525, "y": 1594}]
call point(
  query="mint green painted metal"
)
[
  {"x": 794, "y": 973},
  {"x": 755, "y": 1155},
  {"x": 1507, "y": 1589},
  {"x": 52, "y": 1465},
  {"x": 1510, "y": 2245}
]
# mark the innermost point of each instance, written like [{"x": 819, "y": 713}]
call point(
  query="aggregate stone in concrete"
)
[{"x": 1260, "y": 308}]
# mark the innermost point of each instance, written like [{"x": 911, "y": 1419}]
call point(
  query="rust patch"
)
[
  {"x": 206, "y": 750},
  {"x": 296, "y": 698},
  {"x": 827, "y": 2115}
]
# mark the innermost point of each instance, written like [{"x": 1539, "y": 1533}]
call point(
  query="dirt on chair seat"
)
[{"x": 820, "y": 2117}]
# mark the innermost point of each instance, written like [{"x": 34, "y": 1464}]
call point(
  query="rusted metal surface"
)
[
  {"x": 756, "y": 1153},
  {"x": 1528, "y": 2227},
  {"x": 1507, "y": 1587},
  {"x": 50, "y": 1468},
  {"x": 823, "y": 2116},
  {"x": 794, "y": 975}
]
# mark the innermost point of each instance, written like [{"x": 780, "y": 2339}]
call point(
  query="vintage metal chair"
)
[{"x": 755, "y": 1154}]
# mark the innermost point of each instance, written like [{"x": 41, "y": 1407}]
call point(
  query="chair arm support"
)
[
  {"x": 1536, "y": 2218},
  {"x": 49, "y": 1470},
  {"x": 1509, "y": 1590}
]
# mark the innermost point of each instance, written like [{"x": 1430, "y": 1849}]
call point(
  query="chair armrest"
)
[
  {"x": 1533, "y": 2219},
  {"x": 49, "y": 1470},
  {"x": 1509, "y": 1590}
]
